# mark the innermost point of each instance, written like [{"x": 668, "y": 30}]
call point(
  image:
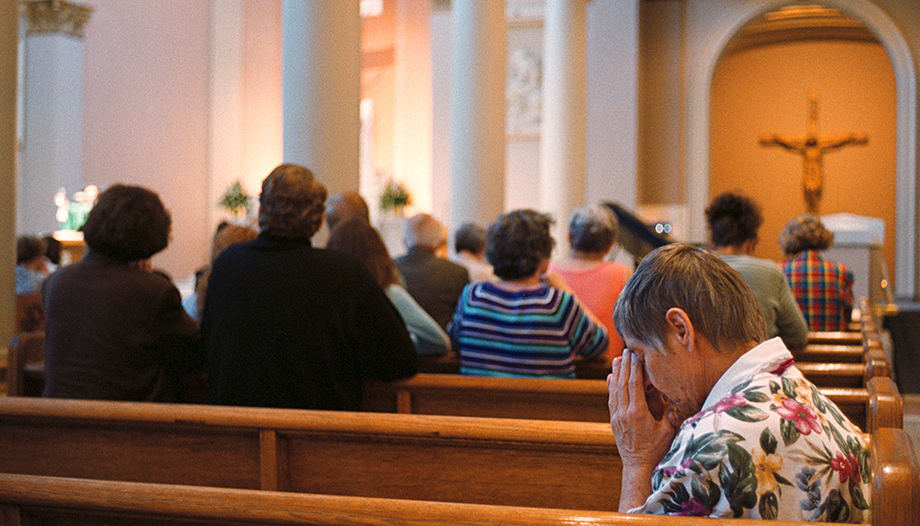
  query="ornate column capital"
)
[{"x": 55, "y": 16}]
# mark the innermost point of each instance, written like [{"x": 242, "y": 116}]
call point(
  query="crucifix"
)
[{"x": 812, "y": 149}]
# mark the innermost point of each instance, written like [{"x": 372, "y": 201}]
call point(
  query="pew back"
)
[
  {"x": 49, "y": 500},
  {"x": 41, "y": 500},
  {"x": 575, "y": 400},
  {"x": 571, "y": 465}
]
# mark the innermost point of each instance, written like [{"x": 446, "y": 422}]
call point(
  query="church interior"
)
[{"x": 654, "y": 105}]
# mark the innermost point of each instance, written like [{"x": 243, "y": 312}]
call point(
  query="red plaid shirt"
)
[{"x": 823, "y": 290}]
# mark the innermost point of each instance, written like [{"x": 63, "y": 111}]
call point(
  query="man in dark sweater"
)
[
  {"x": 434, "y": 282},
  {"x": 288, "y": 325}
]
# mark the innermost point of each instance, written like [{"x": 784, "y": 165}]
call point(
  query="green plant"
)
[
  {"x": 235, "y": 199},
  {"x": 394, "y": 196}
]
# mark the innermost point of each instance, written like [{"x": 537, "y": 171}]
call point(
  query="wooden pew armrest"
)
[{"x": 894, "y": 468}]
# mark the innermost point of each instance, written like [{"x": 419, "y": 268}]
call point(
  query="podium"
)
[{"x": 858, "y": 245}]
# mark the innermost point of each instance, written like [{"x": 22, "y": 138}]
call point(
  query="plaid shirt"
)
[{"x": 823, "y": 290}]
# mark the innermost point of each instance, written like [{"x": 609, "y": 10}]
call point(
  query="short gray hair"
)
[
  {"x": 424, "y": 230},
  {"x": 715, "y": 297},
  {"x": 592, "y": 228}
]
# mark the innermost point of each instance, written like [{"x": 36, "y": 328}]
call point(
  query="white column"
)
[
  {"x": 321, "y": 85},
  {"x": 9, "y": 32},
  {"x": 413, "y": 120},
  {"x": 563, "y": 131},
  {"x": 52, "y": 153},
  {"x": 477, "y": 111}
]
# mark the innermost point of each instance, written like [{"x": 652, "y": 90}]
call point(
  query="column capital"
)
[{"x": 55, "y": 16}]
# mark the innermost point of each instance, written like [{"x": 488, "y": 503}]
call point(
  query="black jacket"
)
[{"x": 287, "y": 325}]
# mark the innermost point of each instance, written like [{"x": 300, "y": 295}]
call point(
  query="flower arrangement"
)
[
  {"x": 394, "y": 197},
  {"x": 236, "y": 199}
]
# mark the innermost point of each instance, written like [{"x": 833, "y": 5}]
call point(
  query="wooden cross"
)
[{"x": 812, "y": 149}]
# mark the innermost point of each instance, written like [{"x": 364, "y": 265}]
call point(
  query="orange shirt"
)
[{"x": 597, "y": 289}]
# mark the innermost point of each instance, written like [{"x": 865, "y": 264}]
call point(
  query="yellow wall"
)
[{"x": 765, "y": 90}]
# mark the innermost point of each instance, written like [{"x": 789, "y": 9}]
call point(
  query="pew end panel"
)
[
  {"x": 885, "y": 407},
  {"x": 895, "y": 479}
]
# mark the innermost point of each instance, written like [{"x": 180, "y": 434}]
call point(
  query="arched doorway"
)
[
  {"x": 761, "y": 86},
  {"x": 701, "y": 67}
]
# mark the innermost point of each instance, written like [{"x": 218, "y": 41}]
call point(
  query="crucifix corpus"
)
[{"x": 812, "y": 149}]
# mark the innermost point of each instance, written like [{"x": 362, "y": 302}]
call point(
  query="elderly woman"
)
[
  {"x": 525, "y": 323},
  {"x": 116, "y": 330},
  {"x": 357, "y": 238},
  {"x": 739, "y": 431},
  {"x": 823, "y": 289},
  {"x": 595, "y": 282},
  {"x": 733, "y": 223}
]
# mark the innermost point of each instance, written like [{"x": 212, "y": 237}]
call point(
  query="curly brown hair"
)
[
  {"x": 127, "y": 223},
  {"x": 517, "y": 242},
  {"x": 291, "y": 203},
  {"x": 733, "y": 219}
]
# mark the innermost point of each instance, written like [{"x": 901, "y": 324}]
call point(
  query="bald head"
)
[{"x": 344, "y": 206}]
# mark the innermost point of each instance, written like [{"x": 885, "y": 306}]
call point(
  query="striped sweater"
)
[{"x": 525, "y": 333}]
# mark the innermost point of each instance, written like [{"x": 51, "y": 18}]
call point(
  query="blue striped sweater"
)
[{"x": 525, "y": 333}]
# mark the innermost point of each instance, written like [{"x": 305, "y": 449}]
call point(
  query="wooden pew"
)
[
  {"x": 577, "y": 400},
  {"x": 822, "y": 373},
  {"x": 835, "y": 337},
  {"x": 828, "y": 353},
  {"x": 572, "y": 465},
  {"x": 36, "y": 500},
  {"x": 27, "y": 350}
]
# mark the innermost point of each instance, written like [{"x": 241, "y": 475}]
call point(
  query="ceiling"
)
[{"x": 799, "y": 23}]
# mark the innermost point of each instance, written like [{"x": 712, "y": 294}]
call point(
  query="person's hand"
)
[{"x": 642, "y": 439}]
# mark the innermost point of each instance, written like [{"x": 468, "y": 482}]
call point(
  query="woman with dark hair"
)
[
  {"x": 733, "y": 223},
  {"x": 823, "y": 289},
  {"x": 595, "y": 282},
  {"x": 526, "y": 323},
  {"x": 357, "y": 238},
  {"x": 116, "y": 330}
]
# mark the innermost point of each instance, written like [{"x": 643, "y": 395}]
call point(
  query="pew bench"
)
[
  {"x": 573, "y": 465},
  {"x": 578, "y": 400},
  {"x": 39, "y": 500}
]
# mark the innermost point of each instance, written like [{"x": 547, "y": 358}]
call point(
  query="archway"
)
[{"x": 701, "y": 67}]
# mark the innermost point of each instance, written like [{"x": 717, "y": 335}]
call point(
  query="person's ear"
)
[{"x": 679, "y": 322}]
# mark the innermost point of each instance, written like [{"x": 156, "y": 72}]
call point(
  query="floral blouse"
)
[{"x": 768, "y": 445}]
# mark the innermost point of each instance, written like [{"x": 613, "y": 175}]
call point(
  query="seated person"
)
[
  {"x": 470, "y": 251},
  {"x": 357, "y": 238},
  {"x": 823, "y": 289},
  {"x": 31, "y": 264},
  {"x": 739, "y": 431},
  {"x": 289, "y": 325},
  {"x": 345, "y": 206},
  {"x": 227, "y": 234},
  {"x": 434, "y": 282},
  {"x": 595, "y": 282},
  {"x": 733, "y": 223},
  {"x": 115, "y": 329},
  {"x": 526, "y": 323}
]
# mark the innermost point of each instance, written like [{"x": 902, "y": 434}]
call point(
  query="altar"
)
[{"x": 858, "y": 245}]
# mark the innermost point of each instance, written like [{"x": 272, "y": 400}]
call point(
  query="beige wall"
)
[
  {"x": 146, "y": 112},
  {"x": 765, "y": 90}
]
